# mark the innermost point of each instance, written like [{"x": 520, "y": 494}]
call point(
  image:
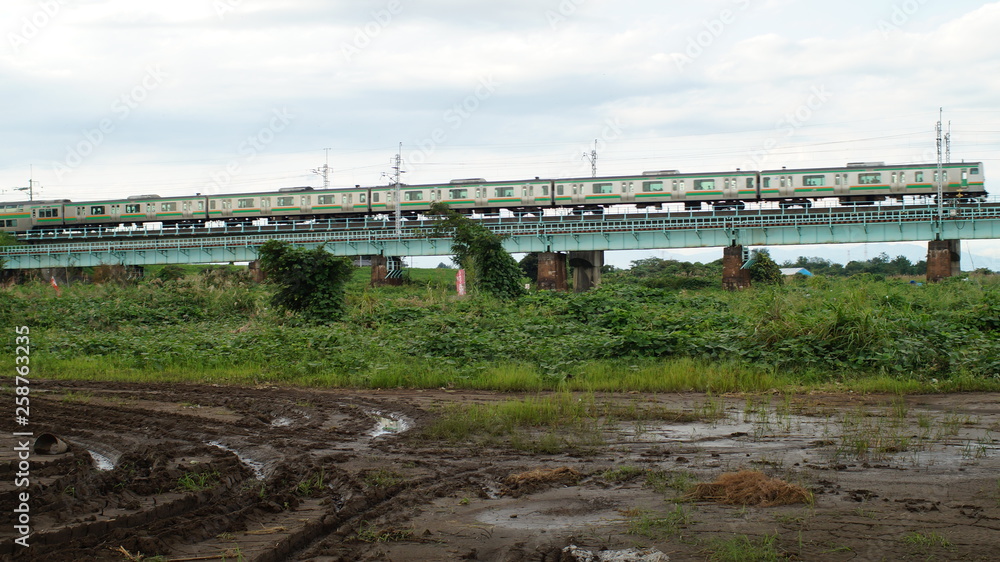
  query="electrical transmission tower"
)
[
  {"x": 324, "y": 170},
  {"x": 593, "y": 160}
]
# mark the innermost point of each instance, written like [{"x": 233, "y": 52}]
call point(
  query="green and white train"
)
[{"x": 861, "y": 183}]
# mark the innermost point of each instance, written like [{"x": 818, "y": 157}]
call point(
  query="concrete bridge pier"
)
[
  {"x": 552, "y": 271},
  {"x": 387, "y": 271},
  {"x": 586, "y": 269},
  {"x": 734, "y": 277},
  {"x": 943, "y": 259},
  {"x": 256, "y": 273}
]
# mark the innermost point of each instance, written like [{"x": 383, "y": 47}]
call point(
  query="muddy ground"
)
[{"x": 220, "y": 473}]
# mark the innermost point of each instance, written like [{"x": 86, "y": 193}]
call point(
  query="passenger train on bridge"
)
[{"x": 860, "y": 183}]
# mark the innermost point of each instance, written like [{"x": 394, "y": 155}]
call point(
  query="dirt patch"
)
[{"x": 262, "y": 474}]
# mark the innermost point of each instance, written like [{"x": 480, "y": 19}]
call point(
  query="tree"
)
[
  {"x": 529, "y": 265},
  {"x": 310, "y": 282},
  {"x": 764, "y": 271},
  {"x": 489, "y": 268}
]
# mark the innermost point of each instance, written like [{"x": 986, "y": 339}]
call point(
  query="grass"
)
[
  {"x": 369, "y": 532},
  {"x": 197, "y": 481},
  {"x": 646, "y": 524},
  {"x": 745, "y": 549},
  {"x": 215, "y": 326},
  {"x": 383, "y": 478}
]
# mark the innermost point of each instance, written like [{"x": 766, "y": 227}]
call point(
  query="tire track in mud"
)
[{"x": 162, "y": 437}]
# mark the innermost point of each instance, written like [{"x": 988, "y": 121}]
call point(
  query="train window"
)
[
  {"x": 10, "y": 222},
  {"x": 783, "y": 181},
  {"x": 893, "y": 177},
  {"x": 362, "y": 198},
  {"x": 133, "y": 208},
  {"x": 767, "y": 182},
  {"x": 965, "y": 175},
  {"x": 244, "y": 203},
  {"x": 545, "y": 190},
  {"x": 227, "y": 203},
  {"x": 675, "y": 185},
  {"x": 813, "y": 181},
  {"x": 702, "y": 185},
  {"x": 305, "y": 200},
  {"x": 168, "y": 206},
  {"x": 559, "y": 190},
  {"x": 749, "y": 183},
  {"x": 97, "y": 210},
  {"x": 414, "y": 195},
  {"x": 682, "y": 185},
  {"x": 285, "y": 201},
  {"x": 478, "y": 193},
  {"x": 187, "y": 205},
  {"x": 602, "y": 188},
  {"x": 50, "y": 213},
  {"x": 870, "y": 178},
  {"x": 902, "y": 177},
  {"x": 80, "y": 211},
  {"x": 974, "y": 171},
  {"x": 211, "y": 204},
  {"x": 918, "y": 176},
  {"x": 326, "y": 199},
  {"x": 652, "y": 186},
  {"x": 375, "y": 197},
  {"x": 836, "y": 179},
  {"x": 503, "y": 192}
]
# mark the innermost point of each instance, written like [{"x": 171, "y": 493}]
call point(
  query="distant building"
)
[{"x": 796, "y": 271}]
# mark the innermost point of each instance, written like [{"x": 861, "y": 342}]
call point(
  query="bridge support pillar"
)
[
  {"x": 256, "y": 273},
  {"x": 387, "y": 271},
  {"x": 586, "y": 269},
  {"x": 943, "y": 259},
  {"x": 552, "y": 271},
  {"x": 734, "y": 277}
]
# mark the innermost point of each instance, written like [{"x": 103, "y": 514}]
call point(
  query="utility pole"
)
[
  {"x": 593, "y": 160},
  {"x": 324, "y": 170},
  {"x": 940, "y": 167},
  {"x": 947, "y": 145},
  {"x": 31, "y": 186},
  {"x": 397, "y": 168}
]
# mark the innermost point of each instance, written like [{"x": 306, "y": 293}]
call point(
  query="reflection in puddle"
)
[
  {"x": 256, "y": 467},
  {"x": 281, "y": 422},
  {"x": 386, "y": 424},
  {"x": 102, "y": 462}
]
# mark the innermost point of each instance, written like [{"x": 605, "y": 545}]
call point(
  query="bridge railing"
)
[
  {"x": 682, "y": 219},
  {"x": 528, "y": 226}
]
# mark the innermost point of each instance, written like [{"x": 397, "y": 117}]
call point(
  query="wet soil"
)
[{"x": 263, "y": 474}]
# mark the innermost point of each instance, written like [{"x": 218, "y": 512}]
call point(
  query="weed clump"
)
[
  {"x": 533, "y": 480},
  {"x": 750, "y": 488}
]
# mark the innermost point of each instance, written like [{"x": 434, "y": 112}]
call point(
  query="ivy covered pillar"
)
[
  {"x": 944, "y": 259},
  {"x": 552, "y": 271},
  {"x": 734, "y": 277}
]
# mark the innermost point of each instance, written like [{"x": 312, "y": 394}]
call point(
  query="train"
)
[{"x": 855, "y": 183}]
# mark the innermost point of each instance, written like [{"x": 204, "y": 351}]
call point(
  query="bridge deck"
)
[{"x": 633, "y": 231}]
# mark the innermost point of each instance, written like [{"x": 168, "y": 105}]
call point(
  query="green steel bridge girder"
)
[{"x": 587, "y": 235}]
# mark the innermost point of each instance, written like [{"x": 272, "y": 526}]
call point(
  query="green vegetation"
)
[
  {"x": 490, "y": 269},
  {"x": 744, "y": 549},
  {"x": 310, "y": 282},
  {"x": 866, "y": 333}
]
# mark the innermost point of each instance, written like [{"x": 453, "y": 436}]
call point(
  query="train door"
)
[
  {"x": 897, "y": 182},
  {"x": 527, "y": 194},
  {"x": 578, "y": 193},
  {"x": 305, "y": 204},
  {"x": 628, "y": 191}
]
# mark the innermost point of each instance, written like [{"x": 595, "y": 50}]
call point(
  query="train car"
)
[
  {"x": 136, "y": 209},
  {"x": 22, "y": 216},
  {"x": 652, "y": 189},
  {"x": 469, "y": 195},
  {"x": 869, "y": 182},
  {"x": 289, "y": 203}
]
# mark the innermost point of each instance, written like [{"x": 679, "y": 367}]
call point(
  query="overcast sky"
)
[{"x": 107, "y": 98}]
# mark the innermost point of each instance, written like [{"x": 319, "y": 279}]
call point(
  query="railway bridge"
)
[{"x": 584, "y": 237}]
